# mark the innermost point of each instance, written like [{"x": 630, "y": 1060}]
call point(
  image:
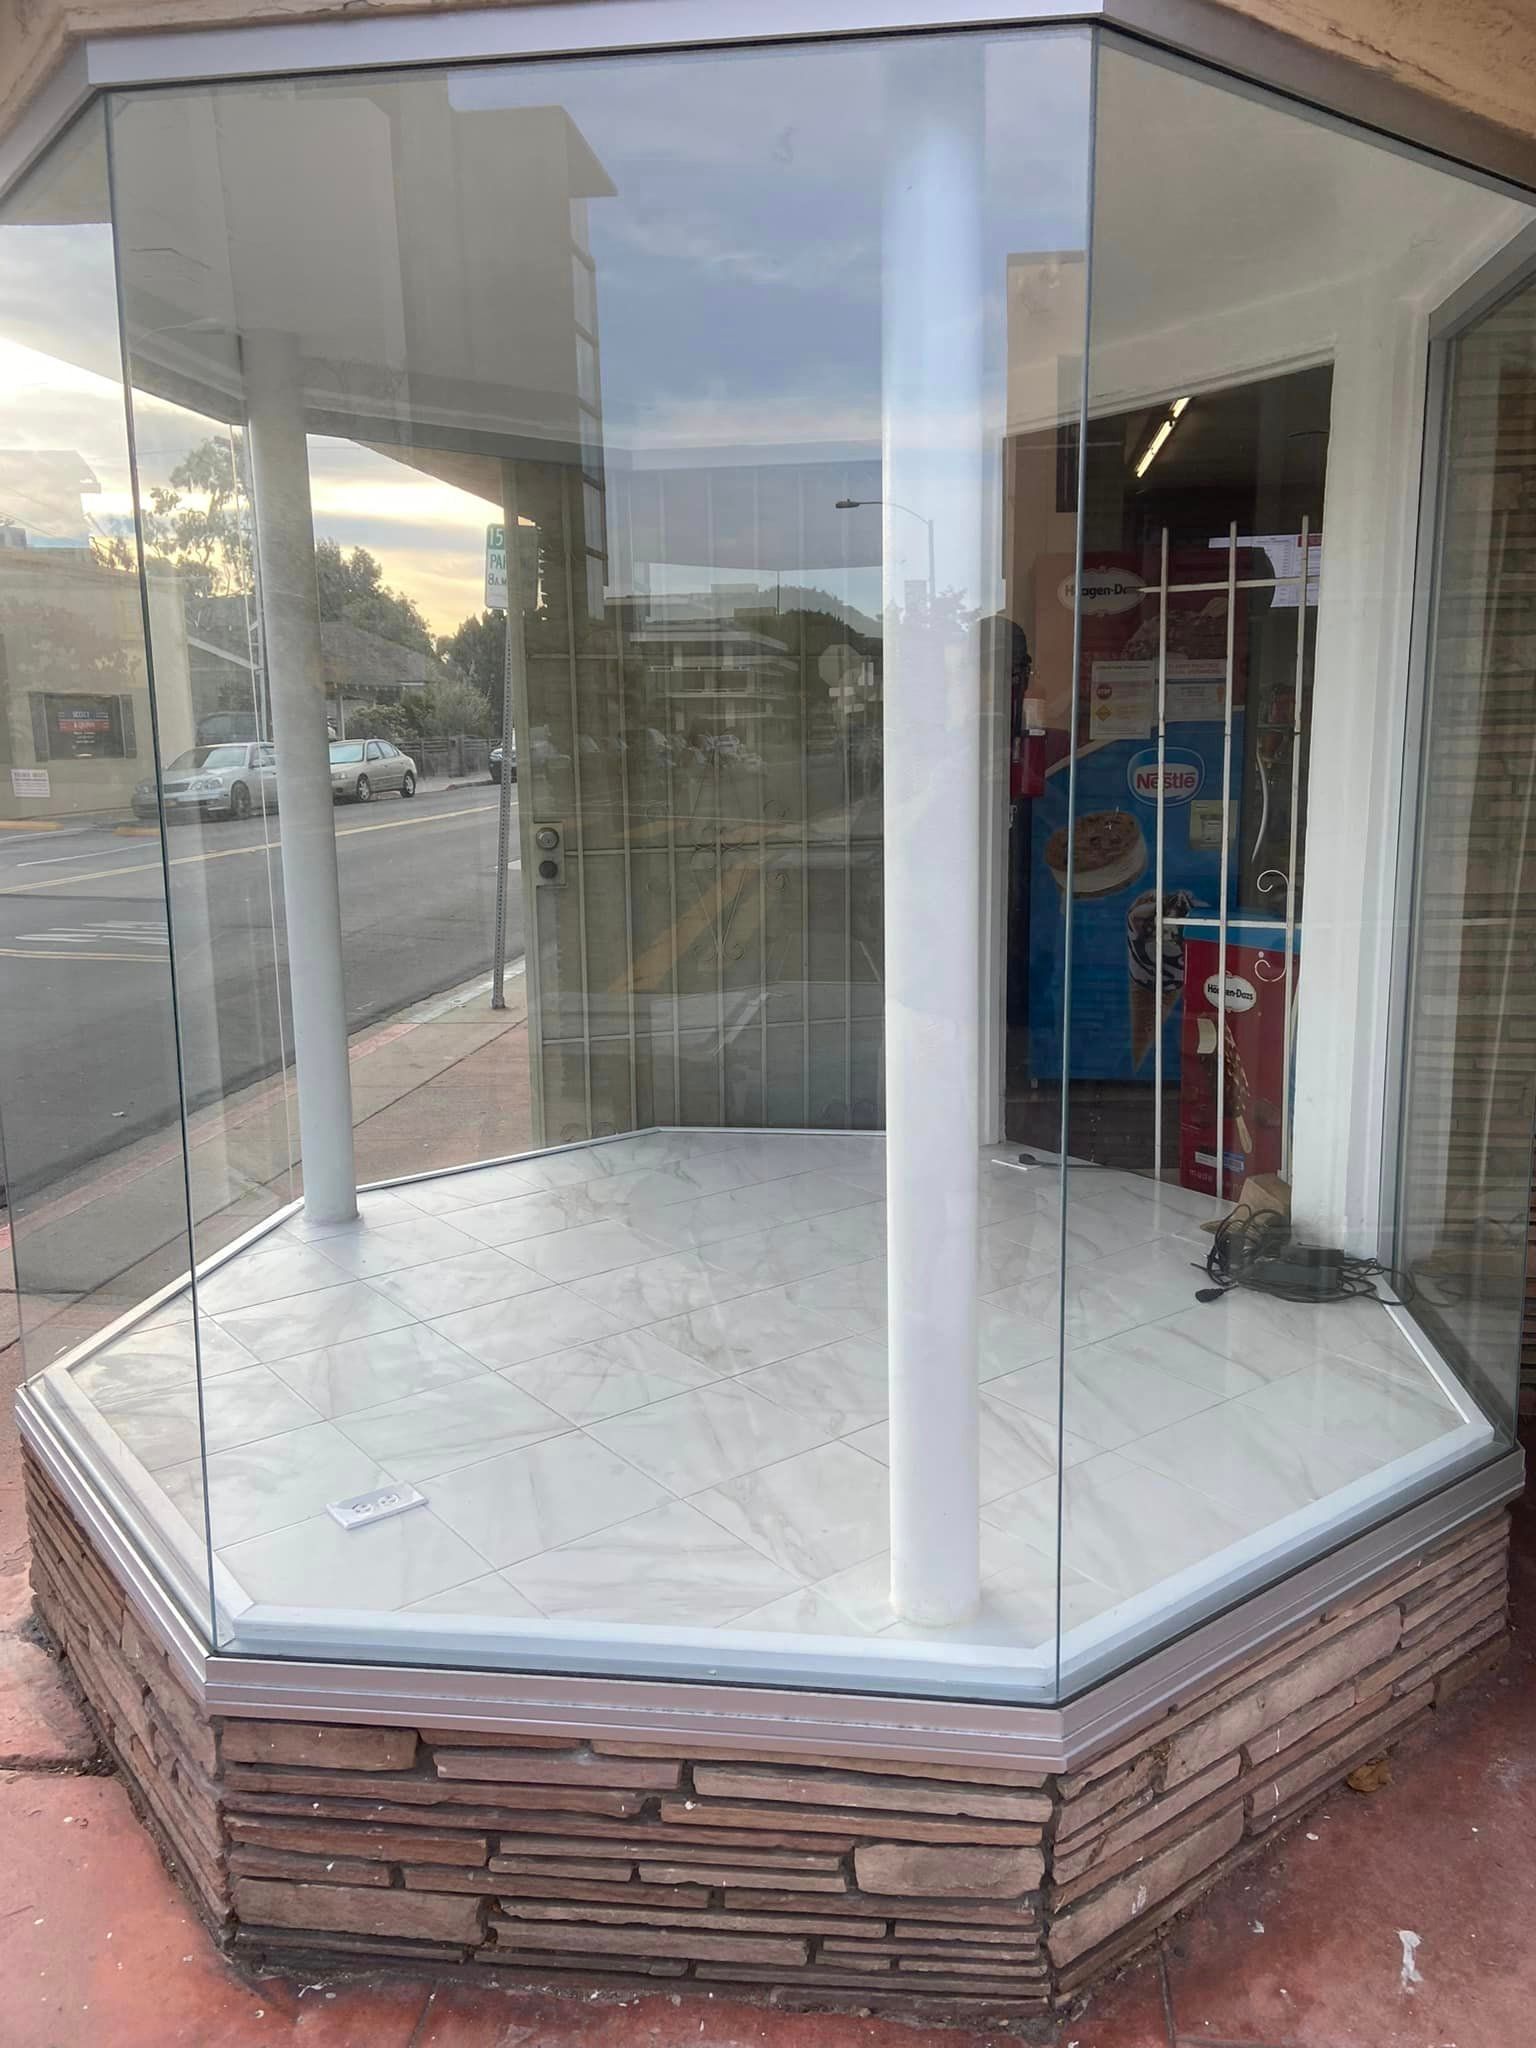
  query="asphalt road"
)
[{"x": 88, "y": 1054}]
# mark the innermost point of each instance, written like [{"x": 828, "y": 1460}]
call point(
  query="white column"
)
[
  {"x": 290, "y": 625},
  {"x": 932, "y": 453},
  {"x": 1343, "y": 1087}
]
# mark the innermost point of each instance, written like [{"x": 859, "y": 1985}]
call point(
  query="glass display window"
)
[{"x": 793, "y": 943}]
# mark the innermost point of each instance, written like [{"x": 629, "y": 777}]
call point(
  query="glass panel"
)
[
  {"x": 95, "y": 1169},
  {"x": 593, "y": 426},
  {"x": 1249, "y": 482},
  {"x": 738, "y": 477},
  {"x": 1470, "y": 1069}
]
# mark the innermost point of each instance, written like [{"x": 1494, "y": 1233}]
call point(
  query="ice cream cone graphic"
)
[
  {"x": 1154, "y": 982},
  {"x": 1145, "y": 1005},
  {"x": 1150, "y": 1010}
]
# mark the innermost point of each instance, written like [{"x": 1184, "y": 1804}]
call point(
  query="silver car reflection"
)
[
  {"x": 227, "y": 781},
  {"x": 360, "y": 769}
]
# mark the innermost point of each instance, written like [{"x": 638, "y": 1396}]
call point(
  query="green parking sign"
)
[{"x": 496, "y": 568}]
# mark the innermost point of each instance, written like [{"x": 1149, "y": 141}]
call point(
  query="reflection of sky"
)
[
  {"x": 739, "y": 264},
  {"x": 429, "y": 536},
  {"x": 60, "y": 379},
  {"x": 738, "y": 277}
]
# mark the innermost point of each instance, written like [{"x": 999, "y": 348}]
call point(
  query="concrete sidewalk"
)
[{"x": 1401, "y": 1919}]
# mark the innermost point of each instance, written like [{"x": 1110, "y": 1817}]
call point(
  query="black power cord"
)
[{"x": 1255, "y": 1249}]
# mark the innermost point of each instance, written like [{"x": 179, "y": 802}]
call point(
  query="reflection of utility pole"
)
[
  {"x": 290, "y": 612},
  {"x": 853, "y": 504},
  {"x": 513, "y": 684}
]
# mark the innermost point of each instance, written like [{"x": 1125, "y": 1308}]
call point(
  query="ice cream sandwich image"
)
[{"x": 1108, "y": 849}]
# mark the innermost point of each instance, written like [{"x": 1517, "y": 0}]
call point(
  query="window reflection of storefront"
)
[
  {"x": 75, "y": 728},
  {"x": 75, "y": 692}
]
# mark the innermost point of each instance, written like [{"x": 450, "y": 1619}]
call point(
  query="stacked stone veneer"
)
[{"x": 872, "y": 1882}]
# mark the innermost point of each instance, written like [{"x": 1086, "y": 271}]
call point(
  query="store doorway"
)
[{"x": 1158, "y": 790}]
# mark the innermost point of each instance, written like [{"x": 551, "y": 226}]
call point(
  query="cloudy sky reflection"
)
[{"x": 738, "y": 269}]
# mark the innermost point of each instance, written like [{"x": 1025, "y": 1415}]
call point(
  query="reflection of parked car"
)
[
  {"x": 511, "y": 763},
  {"x": 361, "y": 768},
  {"x": 220, "y": 727},
  {"x": 227, "y": 782},
  {"x": 663, "y": 747},
  {"x": 723, "y": 750}
]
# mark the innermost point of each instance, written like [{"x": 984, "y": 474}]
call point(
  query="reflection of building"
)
[
  {"x": 77, "y": 735},
  {"x": 359, "y": 667},
  {"x": 701, "y": 667}
]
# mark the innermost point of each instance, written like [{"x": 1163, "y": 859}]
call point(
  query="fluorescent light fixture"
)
[{"x": 1155, "y": 446}]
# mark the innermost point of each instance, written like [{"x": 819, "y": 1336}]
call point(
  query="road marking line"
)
[
  {"x": 437, "y": 818},
  {"x": 190, "y": 860},
  {"x": 82, "y": 935},
  {"x": 143, "y": 959}
]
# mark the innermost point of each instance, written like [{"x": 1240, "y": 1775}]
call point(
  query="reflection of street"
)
[{"x": 84, "y": 987}]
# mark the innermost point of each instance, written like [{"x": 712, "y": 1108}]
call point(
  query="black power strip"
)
[
  {"x": 1312, "y": 1271},
  {"x": 1255, "y": 1249}
]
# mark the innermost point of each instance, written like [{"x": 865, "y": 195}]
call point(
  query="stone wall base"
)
[{"x": 973, "y": 1890}]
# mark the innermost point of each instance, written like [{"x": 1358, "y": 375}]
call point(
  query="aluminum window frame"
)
[
  {"x": 1511, "y": 270},
  {"x": 747, "y": 1715}
]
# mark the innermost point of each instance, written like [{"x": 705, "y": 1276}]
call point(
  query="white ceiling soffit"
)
[
  {"x": 1232, "y": 239},
  {"x": 418, "y": 253}
]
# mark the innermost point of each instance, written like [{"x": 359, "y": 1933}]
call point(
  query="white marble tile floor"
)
[{"x": 644, "y": 1382}]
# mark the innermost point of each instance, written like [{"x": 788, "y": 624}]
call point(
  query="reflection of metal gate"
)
[
  {"x": 709, "y": 951},
  {"x": 1231, "y": 1082}
]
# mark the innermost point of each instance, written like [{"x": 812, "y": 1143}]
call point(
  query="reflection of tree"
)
[
  {"x": 352, "y": 590},
  {"x": 445, "y": 709},
  {"x": 198, "y": 525},
  {"x": 476, "y": 650},
  {"x": 810, "y": 628},
  {"x": 199, "y": 534},
  {"x": 947, "y": 619},
  {"x": 66, "y": 646},
  {"x": 197, "y": 529}
]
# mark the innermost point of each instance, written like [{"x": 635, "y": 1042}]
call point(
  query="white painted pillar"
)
[
  {"x": 290, "y": 625},
  {"x": 933, "y": 472},
  {"x": 1343, "y": 1099}
]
